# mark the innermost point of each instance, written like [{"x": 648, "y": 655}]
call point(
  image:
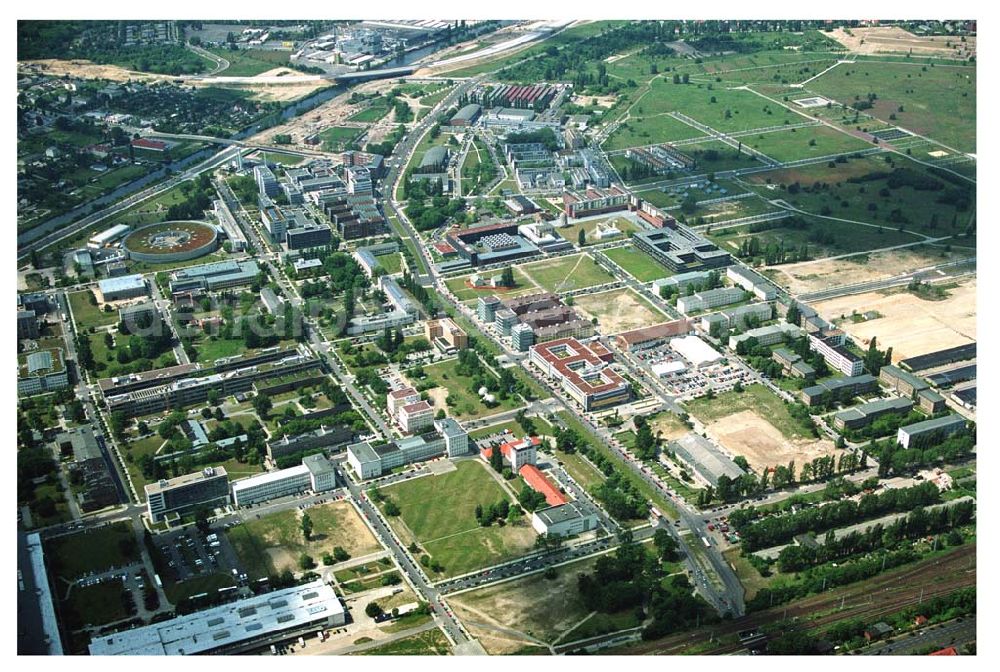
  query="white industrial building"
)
[
  {"x": 563, "y": 520},
  {"x": 661, "y": 369},
  {"x": 231, "y": 628},
  {"x": 315, "y": 474},
  {"x": 108, "y": 236},
  {"x": 695, "y": 350}
]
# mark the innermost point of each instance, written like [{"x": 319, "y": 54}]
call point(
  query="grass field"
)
[
  {"x": 641, "y": 130},
  {"x": 250, "y": 62},
  {"x": 755, "y": 398},
  {"x": 465, "y": 403},
  {"x": 619, "y": 310},
  {"x": 94, "y": 605},
  {"x": 869, "y": 201},
  {"x": 86, "y": 315},
  {"x": 804, "y": 143},
  {"x": 542, "y": 428},
  {"x": 430, "y": 643},
  {"x": 96, "y": 550},
  {"x": 196, "y": 585},
  {"x": 564, "y": 274},
  {"x": 936, "y": 101},
  {"x": 275, "y": 542},
  {"x": 378, "y": 109},
  {"x": 438, "y": 512},
  {"x": 843, "y": 237},
  {"x": 523, "y": 285},
  {"x": 638, "y": 264},
  {"x": 338, "y": 137}
]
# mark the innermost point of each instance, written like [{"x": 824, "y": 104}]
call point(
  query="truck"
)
[
  {"x": 707, "y": 543},
  {"x": 274, "y": 651}
]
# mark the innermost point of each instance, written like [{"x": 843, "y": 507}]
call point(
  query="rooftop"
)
[
  {"x": 186, "y": 479},
  {"x": 123, "y": 283}
]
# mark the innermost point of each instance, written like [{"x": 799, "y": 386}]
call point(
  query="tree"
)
[
  {"x": 307, "y": 526},
  {"x": 201, "y": 520},
  {"x": 665, "y": 544},
  {"x": 262, "y": 405},
  {"x": 306, "y": 562},
  {"x": 373, "y": 610},
  {"x": 581, "y": 238},
  {"x": 340, "y": 555}
]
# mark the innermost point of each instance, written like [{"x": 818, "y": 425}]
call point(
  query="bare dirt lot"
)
[
  {"x": 911, "y": 325},
  {"x": 669, "y": 424},
  {"x": 811, "y": 276},
  {"x": 618, "y": 310},
  {"x": 747, "y": 434},
  {"x": 895, "y": 40},
  {"x": 86, "y": 70}
]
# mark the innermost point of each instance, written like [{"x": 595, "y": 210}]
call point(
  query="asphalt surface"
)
[{"x": 955, "y": 633}]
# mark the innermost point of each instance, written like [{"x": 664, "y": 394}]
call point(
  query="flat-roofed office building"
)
[{"x": 208, "y": 488}]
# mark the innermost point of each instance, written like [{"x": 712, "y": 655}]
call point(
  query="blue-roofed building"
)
[
  {"x": 214, "y": 276},
  {"x": 124, "y": 287}
]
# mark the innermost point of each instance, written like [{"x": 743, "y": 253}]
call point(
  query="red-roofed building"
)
[
  {"x": 444, "y": 249},
  {"x": 583, "y": 371},
  {"x": 396, "y": 399},
  {"x": 151, "y": 145},
  {"x": 516, "y": 453},
  {"x": 950, "y": 651},
  {"x": 416, "y": 417},
  {"x": 538, "y": 481}
]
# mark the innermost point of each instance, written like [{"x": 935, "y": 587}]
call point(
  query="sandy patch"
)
[
  {"x": 601, "y": 101},
  {"x": 618, "y": 310},
  {"x": 893, "y": 39},
  {"x": 437, "y": 396},
  {"x": 86, "y": 70},
  {"x": 812, "y": 276},
  {"x": 911, "y": 325},
  {"x": 669, "y": 425},
  {"x": 747, "y": 434}
]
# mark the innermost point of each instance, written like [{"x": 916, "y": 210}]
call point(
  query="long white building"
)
[{"x": 315, "y": 474}]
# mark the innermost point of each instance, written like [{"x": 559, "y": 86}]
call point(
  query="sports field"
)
[
  {"x": 438, "y": 512},
  {"x": 638, "y": 264},
  {"x": 565, "y": 274},
  {"x": 938, "y": 101},
  {"x": 619, "y": 310}
]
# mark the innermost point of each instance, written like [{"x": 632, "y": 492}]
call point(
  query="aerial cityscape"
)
[{"x": 496, "y": 337}]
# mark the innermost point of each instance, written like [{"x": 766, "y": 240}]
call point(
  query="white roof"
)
[
  {"x": 225, "y": 625},
  {"x": 270, "y": 477},
  {"x": 695, "y": 350},
  {"x": 663, "y": 368}
]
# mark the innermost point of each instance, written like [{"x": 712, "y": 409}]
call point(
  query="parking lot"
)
[
  {"x": 691, "y": 382},
  {"x": 189, "y": 553}
]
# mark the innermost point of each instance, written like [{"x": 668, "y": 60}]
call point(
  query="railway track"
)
[{"x": 871, "y": 599}]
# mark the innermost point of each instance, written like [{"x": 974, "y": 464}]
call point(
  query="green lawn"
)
[
  {"x": 196, "y": 585},
  {"x": 638, "y": 264},
  {"x": 640, "y": 130},
  {"x": 86, "y": 315},
  {"x": 338, "y": 137},
  {"x": 430, "y": 643},
  {"x": 514, "y": 427},
  {"x": 936, "y": 101},
  {"x": 372, "y": 113},
  {"x": 465, "y": 403},
  {"x": 804, "y": 143},
  {"x": 572, "y": 232},
  {"x": 439, "y": 513},
  {"x": 839, "y": 237},
  {"x": 96, "y": 550},
  {"x": 274, "y": 542},
  {"x": 250, "y": 62},
  {"x": 755, "y": 398},
  {"x": 94, "y": 605},
  {"x": 564, "y": 274},
  {"x": 210, "y": 350}
]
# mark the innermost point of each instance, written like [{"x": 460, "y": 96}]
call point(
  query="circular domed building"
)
[{"x": 171, "y": 241}]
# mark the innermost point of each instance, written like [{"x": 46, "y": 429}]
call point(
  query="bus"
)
[{"x": 707, "y": 543}]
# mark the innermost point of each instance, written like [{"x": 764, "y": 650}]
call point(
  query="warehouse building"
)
[
  {"x": 208, "y": 488},
  {"x": 232, "y": 628},
  {"x": 925, "y": 433},
  {"x": 694, "y": 350},
  {"x": 466, "y": 116},
  {"x": 583, "y": 371},
  {"x": 124, "y": 287},
  {"x": 648, "y": 337},
  {"x": 705, "y": 458},
  {"x": 563, "y": 520},
  {"x": 315, "y": 474},
  {"x": 865, "y": 414},
  {"x": 108, "y": 236}
]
